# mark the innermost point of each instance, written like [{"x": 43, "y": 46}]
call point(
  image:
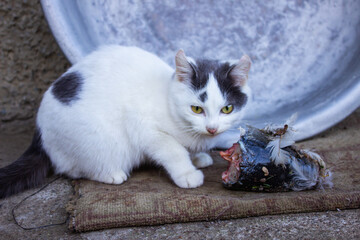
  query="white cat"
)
[{"x": 121, "y": 105}]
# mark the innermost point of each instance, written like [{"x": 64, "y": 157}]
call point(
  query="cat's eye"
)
[
  {"x": 227, "y": 109},
  {"x": 197, "y": 109}
]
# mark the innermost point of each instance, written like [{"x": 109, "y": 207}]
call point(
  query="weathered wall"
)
[{"x": 30, "y": 60}]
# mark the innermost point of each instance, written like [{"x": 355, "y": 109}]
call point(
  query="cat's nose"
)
[{"x": 211, "y": 130}]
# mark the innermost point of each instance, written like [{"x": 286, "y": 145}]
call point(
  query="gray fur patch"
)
[
  {"x": 203, "y": 97},
  {"x": 228, "y": 86},
  {"x": 66, "y": 88},
  {"x": 202, "y": 70}
]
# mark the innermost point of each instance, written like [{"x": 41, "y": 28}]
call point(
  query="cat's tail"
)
[{"x": 29, "y": 171}]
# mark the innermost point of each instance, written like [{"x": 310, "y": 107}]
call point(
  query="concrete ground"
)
[{"x": 48, "y": 206}]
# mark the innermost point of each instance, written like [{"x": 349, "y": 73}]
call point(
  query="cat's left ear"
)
[
  {"x": 241, "y": 70},
  {"x": 184, "y": 70}
]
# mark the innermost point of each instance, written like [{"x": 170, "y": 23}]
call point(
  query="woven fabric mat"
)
[{"x": 150, "y": 198}]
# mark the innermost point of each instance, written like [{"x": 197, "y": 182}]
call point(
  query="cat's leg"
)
[
  {"x": 202, "y": 160},
  {"x": 166, "y": 151}
]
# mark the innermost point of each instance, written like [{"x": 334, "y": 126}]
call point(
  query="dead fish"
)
[{"x": 266, "y": 160}]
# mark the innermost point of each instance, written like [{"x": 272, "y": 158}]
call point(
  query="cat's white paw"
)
[
  {"x": 202, "y": 160},
  {"x": 115, "y": 178},
  {"x": 190, "y": 180},
  {"x": 119, "y": 177}
]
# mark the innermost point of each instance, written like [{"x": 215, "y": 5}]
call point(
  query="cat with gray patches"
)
[{"x": 121, "y": 106}]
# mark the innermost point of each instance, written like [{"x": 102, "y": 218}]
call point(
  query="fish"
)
[{"x": 266, "y": 160}]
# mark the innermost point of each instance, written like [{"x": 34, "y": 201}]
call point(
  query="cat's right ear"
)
[
  {"x": 241, "y": 70},
  {"x": 184, "y": 70}
]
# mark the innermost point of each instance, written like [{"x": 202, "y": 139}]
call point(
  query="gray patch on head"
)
[
  {"x": 66, "y": 88},
  {"x": 202, "y": 70},
  {"x": 203, "y": 97},
  {"x": 228, "y": 86}
]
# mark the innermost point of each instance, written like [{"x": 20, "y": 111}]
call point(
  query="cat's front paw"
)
[
  {"x": 114, "y": 178},
  {"x": 202, "y": 160},
  {"x": 190, "y": 180}
]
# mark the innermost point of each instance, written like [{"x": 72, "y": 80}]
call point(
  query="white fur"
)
[
  {"x": 129, "y": 109},
  {"x": 202, "y": 160}
]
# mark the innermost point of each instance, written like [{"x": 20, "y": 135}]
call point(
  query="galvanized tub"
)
[{"x": 306, "y": 54}]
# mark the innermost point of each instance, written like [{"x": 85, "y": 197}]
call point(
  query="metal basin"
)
[{"x": 306, "y": 54}]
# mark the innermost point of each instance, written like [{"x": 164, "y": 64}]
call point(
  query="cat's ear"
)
[
  {"x": 241, "y": 70},
  {"x": 184, "y": 70}
]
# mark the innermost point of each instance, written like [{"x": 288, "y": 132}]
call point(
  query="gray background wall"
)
[{"x": 30, "y": 60}]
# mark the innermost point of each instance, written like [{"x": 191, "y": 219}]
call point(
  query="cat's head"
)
[{"x": 209, "y": 95}]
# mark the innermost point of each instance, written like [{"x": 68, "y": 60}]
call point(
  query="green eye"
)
[
  {"x": 197, "y": 109},
  {"x": 227, "y": 109}
]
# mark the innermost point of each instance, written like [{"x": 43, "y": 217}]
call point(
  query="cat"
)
[{"x": 121, "y": 106}]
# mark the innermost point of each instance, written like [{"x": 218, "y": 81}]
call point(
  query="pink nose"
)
[{"x": 211, "y": 130}]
